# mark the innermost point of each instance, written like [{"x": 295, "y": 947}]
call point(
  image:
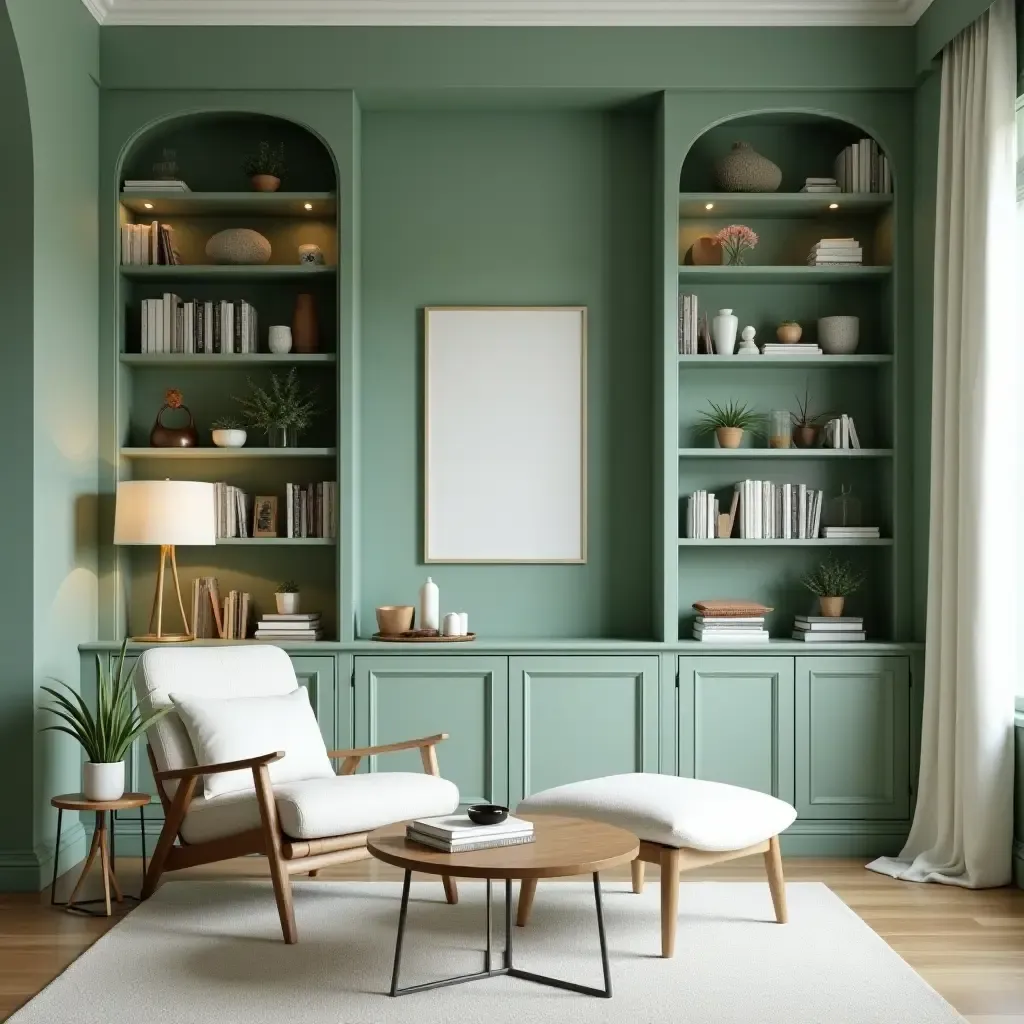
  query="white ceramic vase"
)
[
  {"x": 723, "y": 331},
  {"x": 287, "y": 604},
  {"x": 279, "y": 339},
  {"x": 103, "y": 782},
  {"x": 228, "y": 438}
]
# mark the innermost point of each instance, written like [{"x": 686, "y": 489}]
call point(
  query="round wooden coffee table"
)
[{"x": 563, "y": 847}]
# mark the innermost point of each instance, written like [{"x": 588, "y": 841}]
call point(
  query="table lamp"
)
[{"x": 165, "y": 513}]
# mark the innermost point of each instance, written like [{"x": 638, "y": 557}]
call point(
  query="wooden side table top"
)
[
  {"x": 79, "y": 802},
  {"x": 563, "y": 846}
]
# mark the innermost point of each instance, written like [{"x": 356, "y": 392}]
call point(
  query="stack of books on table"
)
[
  {"x": 156, "y": 185},
  {"x": 836, "y": 252},
  {"x": 300, "y": 626},
  {"x": 455, "y": 833},
  {"x": 818, "y": 629},
  {"x": 851, "y": 532},
  {"x": 801, "y": 348},
  {"x": 730, "y": 622},
  {"x": 821, "y": 185}
]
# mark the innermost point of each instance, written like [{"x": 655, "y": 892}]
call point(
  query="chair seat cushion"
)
[
  {"x": 322, "y": 807},
  {"x": 670, "y": 811}
]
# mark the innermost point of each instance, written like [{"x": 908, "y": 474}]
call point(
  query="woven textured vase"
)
[{"x": 745, "y": 170}]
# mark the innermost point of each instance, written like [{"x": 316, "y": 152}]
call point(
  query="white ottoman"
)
[{"x": 681, "y": 824}]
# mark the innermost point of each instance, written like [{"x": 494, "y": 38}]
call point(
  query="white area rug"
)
[{"x": 212, "y": 952}]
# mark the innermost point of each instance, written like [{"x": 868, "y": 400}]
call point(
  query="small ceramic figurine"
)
[{"x": 747, "y": 346}]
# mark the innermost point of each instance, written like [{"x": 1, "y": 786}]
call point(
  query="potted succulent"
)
[
  {"x": 833, "y": 581},
  {"x": 729, "y": 422},
  {"x": 806, "y": 425},
  {"x": 287, "y": 598},
  {"x": 106, "y": 733},
  {"x": 265, "y": 167},
  {"x": 789, "y": 332},
  {"x": 228, "y": 432},
  {"x": 282, "y": 412}
]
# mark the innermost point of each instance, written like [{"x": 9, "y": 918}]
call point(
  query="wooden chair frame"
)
[
  {"x": 287, "y": 856},
  {"x": 673, "y": 861}
]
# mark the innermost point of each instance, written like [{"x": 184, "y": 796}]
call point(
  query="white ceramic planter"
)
[
  {"x": 287, "y": 604},
  {"x": 839, "y": 335},
  {"x": 103, "y": 781},
  {"x": 228, "y": 438},
  {"x": 279, "y": 339}
]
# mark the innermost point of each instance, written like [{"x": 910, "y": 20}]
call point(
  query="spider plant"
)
[{"x": 728, "y": 422}]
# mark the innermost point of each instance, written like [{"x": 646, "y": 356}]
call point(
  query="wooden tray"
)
[{"x": 397, "y": 638}]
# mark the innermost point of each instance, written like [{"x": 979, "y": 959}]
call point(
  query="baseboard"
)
[
  {"x": 32, "y": 870},
  {"x": 1018, "y": 863},
  {"x": 822, "y": 838}
]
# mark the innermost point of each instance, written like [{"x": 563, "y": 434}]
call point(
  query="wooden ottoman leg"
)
[
  {"x": 669, "y": 900},
  {"x": 636, "y": 869},
  {"x": 776, "y": 881},
  {"x": 527, "y": 889}
]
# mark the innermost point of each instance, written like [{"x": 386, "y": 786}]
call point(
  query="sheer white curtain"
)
[{"x": 963, "y": 825}]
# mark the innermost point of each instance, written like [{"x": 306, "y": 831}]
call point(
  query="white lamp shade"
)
[{"x": 165, "y": 512}]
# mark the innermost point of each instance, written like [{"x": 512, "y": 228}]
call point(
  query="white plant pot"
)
[
  {"x": 103, "y": 782},
  {"x": 279, "y": 339},
  {"x": 228, "y": 438},
  {"x": 287, "y": 604}
]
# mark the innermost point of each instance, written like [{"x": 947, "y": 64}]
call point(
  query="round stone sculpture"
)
[
  {"x": 239, "y": 246},
  {"x": 743, "y": 169}
]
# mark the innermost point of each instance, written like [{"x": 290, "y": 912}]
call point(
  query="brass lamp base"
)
[
  {"x": 157, "y": 614},
  {"x": 163, "y": 638}
]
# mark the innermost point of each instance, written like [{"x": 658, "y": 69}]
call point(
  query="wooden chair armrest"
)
[
  {"x": 387, "y": 748},
  {"x": 215, "y": 769}
]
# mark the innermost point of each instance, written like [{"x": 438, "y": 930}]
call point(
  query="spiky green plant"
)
[
  {"x": 803, "y": 416},
  {"x": 228, "y": 423},
  {"x": 107, "y": 733},
  {"x": 835, "y": 577},
  {"x": 266, "y": 160},
  {"x": 288, "y": 587},
  {"x": 283, "y": 405},
  {"x": 732, "y": 414}
]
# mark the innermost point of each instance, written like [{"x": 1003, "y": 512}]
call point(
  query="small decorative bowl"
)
[{"x": 487, "y": 814}]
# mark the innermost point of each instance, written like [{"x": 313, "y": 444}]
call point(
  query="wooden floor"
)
[{"x": 968, "y": 945}]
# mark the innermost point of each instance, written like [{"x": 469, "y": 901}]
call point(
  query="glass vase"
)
[
  {"x": 780, "y": 429},
  {"x": 842, "y": 510},
  {"x": 283, "y": 437}
]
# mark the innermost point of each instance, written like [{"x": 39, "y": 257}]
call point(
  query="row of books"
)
[
  {"x": 840, "y": 432},
  {"x": 863, "y": 167},
  {"x": 191, "y": 327},
  {"x": 296, "y": 626},
  {"x": 311, "y": 510},
  {"x": 702, "y": 515},
  {"x": 457, "y": 833},
  {"x": 821, "y": 185},
  {"x": 689, "y": 326},
  {"x": 148, "y": 245},
  {"x": 836, "y": 252},
  {"x": 770, "y": 511},
  {"x": 820, "y": 629},
  {"x": 730, "y": 629},
  {"x": 155, "y": 185},
  {"x": 214, "y": 617},
  {"x": 233, "y": 510}
]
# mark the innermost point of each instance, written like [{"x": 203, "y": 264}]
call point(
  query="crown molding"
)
[{"x": 498, "y": 13}]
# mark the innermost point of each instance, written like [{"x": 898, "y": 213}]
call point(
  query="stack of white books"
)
[
  {"x": 300, "y": 626},
  {"x": 801, "y": 348},
  {"x": 840, "y": 432},
  {"x": 701, "y": 515},
  {"x": 821, "y": 630},
  {"x": 836, "y": 252},
  {"x": 821, "y": 185},
  {"x": 156, "y": 185},
  {"x": 456, "y": 833},
  {"x": 851, "y": 532},
  {"x": 729, "y": 629}
]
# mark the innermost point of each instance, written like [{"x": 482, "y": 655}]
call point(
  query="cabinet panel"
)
[
  {"x": 853, "y": 737},
  {"x": 399, "y": 698},
  {"x": 573, "y": 718},
  {"x": 736, "y": 721}
]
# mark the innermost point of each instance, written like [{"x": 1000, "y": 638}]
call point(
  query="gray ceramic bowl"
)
[{"x": 839, "y": 335}]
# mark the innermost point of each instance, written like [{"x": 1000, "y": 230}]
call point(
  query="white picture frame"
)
[{"x": 505, "y": 434}]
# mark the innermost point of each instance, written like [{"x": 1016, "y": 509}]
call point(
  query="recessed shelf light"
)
[
  {"x": 833, "y": 206},
  {"x": 709, "y": 206},
  {"x": 148, "y": 206},
  {"x": 309, "y": 206}
]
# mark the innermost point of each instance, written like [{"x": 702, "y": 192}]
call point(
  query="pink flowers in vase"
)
[{"x": 736, "y": 240}]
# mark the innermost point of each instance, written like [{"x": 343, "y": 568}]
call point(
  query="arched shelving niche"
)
[
  {"x": 172, "y": 333},
  {"x": 779, "y": 282}
]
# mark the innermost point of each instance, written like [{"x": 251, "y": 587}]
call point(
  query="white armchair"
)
[{"x": 301, "y": 825}]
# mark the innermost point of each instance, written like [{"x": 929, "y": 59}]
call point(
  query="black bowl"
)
[{"x": 487, "y": 814}]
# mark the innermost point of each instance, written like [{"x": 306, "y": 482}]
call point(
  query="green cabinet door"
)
[
  {"x": 328, "y": 688},
  {"x": 573, "y": 718},
  {"x": 405, "y": 697},
  {"x": 852, "y": 737},
  {"x": 736, "y": 721}
]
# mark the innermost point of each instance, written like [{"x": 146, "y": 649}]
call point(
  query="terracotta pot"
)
[
  {"x": 265, "y": 182},
  {"x": 789, "y": 334},
  {"x": 805, "y": 436},
  {"x": 831, "y": 607},
  {"x": 395, "y": 618},
  {"x": 706, "y": 252},
  {"x": 729, "y": 437},
  {"x": 304, "y": 326}
]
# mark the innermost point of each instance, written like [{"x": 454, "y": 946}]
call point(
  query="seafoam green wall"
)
[
  {"x": 58, "y": 43},
  {"x": 511, "y": 208}
]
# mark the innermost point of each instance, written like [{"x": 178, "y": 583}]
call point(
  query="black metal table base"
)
[{"x": 507, "y": 968}]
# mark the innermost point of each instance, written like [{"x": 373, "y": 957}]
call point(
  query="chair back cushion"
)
[
  {"x": 250, "y": 671},
  {"x": 235, "y": 728}
]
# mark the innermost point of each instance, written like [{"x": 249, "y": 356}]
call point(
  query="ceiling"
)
[{"x": 507, "y": 12}]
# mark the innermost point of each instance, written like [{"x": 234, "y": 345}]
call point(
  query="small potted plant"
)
[
  {"x": 789, "y": 332},
  {"x": 833, "y": 581},
  {"x": 228, "y": 432},
  {"x": 287, "y": 598},
  {"x": 736, "y": 241},
  {"x": 106, "y": 733},
  {"x": 729, "y": 422},
  {"x": 282, "y": 412},
  {"x": 265, "y": 167},
  {"x": 805, "y": 424}
]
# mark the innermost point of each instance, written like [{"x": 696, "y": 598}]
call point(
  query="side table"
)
[{"x": 102, "y": 843}]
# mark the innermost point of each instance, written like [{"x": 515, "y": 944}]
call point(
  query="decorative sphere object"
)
[
  {"x": 487, "y": 814},
  {"x": 838, "y": 335},
  {"x": 238, "y": 246},
  {"x": 745, "y": 170},
  {"x": 310, "y": 253}
]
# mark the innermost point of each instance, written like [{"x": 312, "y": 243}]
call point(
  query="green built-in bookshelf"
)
[{"x": 210, "y": 150}]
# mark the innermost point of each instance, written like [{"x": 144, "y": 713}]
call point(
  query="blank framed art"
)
[{"x": 505, "y": 434}]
